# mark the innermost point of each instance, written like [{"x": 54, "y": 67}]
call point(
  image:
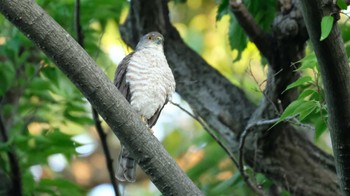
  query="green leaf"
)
[
  {"x": 51, "y": 74},
  {"x": 78, "y": 117},
  {"x": 237, "y": 37},
  {"x": 310, "y": 58},
  {"x": 223, "y": 9},
  {"x": 306, "y": 109},
  {"x": 320, "y": 127},
  {"x": 39, "y": 84},
  {"x": 306, "y": 93},
  {"x": 289, "y": 111},
  {"x": 342, "y": 5},
  {"x": 299, "y": 82},
  {"x": 311, "y": 64},
  {"x": 326, "y": 26},
  {"x": 7, "y": 75}
]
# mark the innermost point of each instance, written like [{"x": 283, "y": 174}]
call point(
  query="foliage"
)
[
  {"x": 326, "y": 26},
  {"x": 263, "y": 13},
  {"x": 327, "y": 21},
  {"x": 42, "y": 110},
  {"x": 310, "y": 106}
]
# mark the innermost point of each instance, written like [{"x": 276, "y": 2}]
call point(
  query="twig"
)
[
  {"x": 78, "y": 28},
  {"x": 206, "y": 127},
  {"x": 245, "y": 133},
  {"x": 249, "y": 128},
  {"x": 16, "y": 176},
  {"x": 99, "y": 128},
  {"x": 252, "y": 29},
  {"x": 109, "y": 160},
  {"x": 262, "y": 91}
]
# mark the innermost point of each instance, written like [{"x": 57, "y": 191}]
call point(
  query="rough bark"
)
[
  {"x": 102, "y": 94},
  {"x": 335, "y": 72},
  {"x": 285, "y": 154}
]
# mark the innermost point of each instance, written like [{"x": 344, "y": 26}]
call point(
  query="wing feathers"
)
[{"x": 120, "y": 77}]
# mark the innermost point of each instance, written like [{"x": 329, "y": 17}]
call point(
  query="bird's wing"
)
[
  {"x": 152, "y": 121},
  {"x": 120, "y": 77}
]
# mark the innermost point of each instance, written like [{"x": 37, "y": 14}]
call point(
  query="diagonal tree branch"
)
[
  {"x": 261, "y": 39},
  {"x": 102, "y": 94},
  {"x": 99, "y": 128}
]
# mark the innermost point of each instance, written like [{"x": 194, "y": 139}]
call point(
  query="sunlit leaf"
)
[
  {"x": 289, "y": 111},
  {"x": 326, "y": 26},
  {"x": 306, "y": 93},
  {"x": 306, "y": 66},
  {"x": 320, "y": 127},
  {"x": 223, "y": 9},
  {"x": 342, "y": 4},
  {"x": 306, "y": 109},
  {"x": 237, "y": 37},
  {"x": 299, "y": 82}
]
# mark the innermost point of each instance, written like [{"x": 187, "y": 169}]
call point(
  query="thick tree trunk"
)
[
  {"x": 102, "y": 94},
  {"x": 284, "y": 153},
  {"x": 335, "y": 72}
]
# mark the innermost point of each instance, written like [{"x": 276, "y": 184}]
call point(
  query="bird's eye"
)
[{"x": 149, "y": 37}]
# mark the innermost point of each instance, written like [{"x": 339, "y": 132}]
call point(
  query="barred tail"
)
[{"x": 126, "y": 169}]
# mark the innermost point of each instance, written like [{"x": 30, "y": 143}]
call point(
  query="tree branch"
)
[
  {"x": 261, "y": 39},
  {"x": 102, "y": 94},
  {"x": 335, "y": 73}
]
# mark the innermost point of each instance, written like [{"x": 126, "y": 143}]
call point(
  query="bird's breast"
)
[{"x": 151, "y": 82}]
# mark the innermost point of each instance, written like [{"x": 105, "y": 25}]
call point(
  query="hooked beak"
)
[{"x": 159, "y": 40}]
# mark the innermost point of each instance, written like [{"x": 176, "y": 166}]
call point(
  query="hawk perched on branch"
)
[{"x": 146, "y": 81}]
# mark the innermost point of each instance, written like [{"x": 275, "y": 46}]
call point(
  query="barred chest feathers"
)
[{"x": 151, "y": 81}]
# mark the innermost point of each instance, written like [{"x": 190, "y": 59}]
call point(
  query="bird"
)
[{"x": 147, "y": 82}]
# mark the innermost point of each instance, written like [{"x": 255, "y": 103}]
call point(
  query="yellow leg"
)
[{"x": 145, "y": 120}]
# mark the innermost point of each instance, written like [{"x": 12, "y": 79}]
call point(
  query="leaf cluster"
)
[{"x": 41, "y": 109}]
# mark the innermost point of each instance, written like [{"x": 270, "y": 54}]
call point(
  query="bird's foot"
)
[{"x": 145, "y": 120}]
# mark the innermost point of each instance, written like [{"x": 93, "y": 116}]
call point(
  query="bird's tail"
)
[{"x": 126, "y": 169}]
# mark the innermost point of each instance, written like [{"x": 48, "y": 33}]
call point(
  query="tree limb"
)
[
  {"x": 102, "y": 94},
  {"x": 335, "y": 73},
  {"x": 261, "y": 39}
]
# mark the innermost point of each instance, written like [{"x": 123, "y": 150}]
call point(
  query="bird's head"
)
[{"x": 151, "y": 40}]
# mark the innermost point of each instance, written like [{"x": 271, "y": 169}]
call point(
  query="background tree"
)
[{"x": 282, "y": 158}]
